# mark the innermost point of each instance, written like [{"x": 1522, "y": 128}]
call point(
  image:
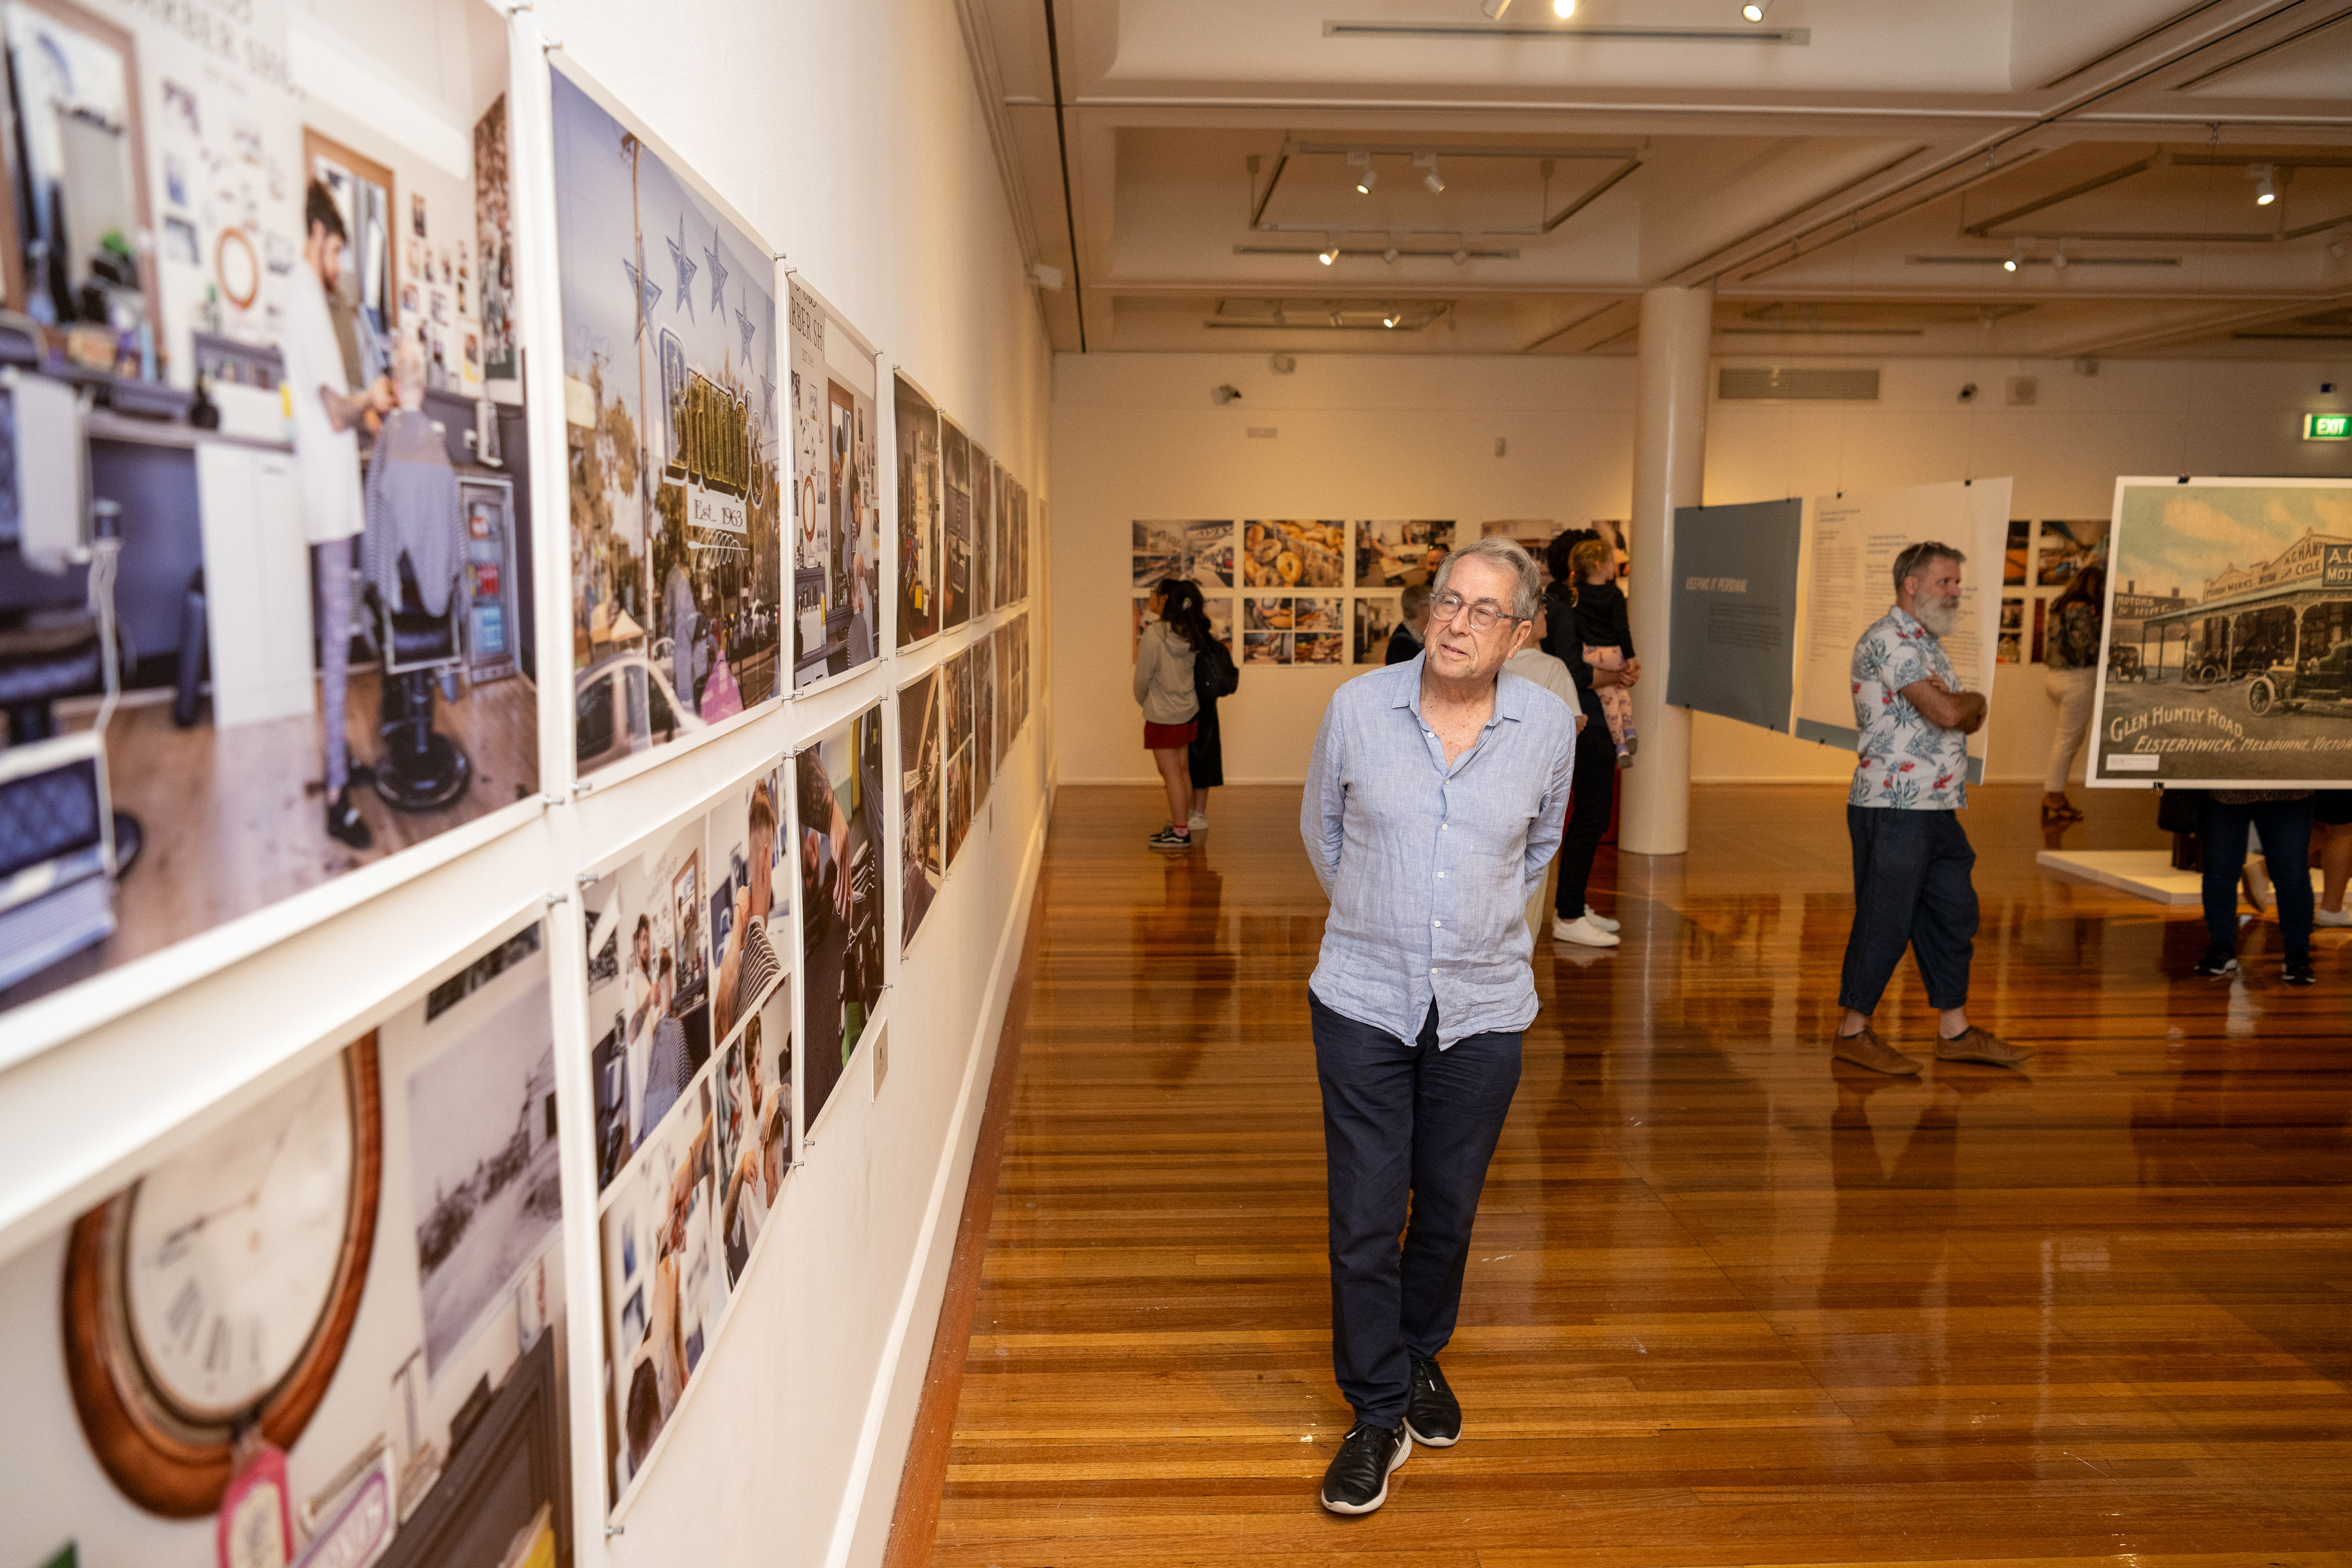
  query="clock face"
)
[{"x": 233, "y": 1249}]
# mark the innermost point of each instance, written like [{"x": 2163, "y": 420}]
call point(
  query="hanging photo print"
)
[
  {"x": 1400, "y": 554},
  {"x": 669, "y": 362},
  {"x": 837, "y": 509},
  {"x": 983, "y": 720},
  {"x": 1006, "y": 488},
  {"x": 1376, "y": 620},
  {"x": 1000, "y": 727},
  {"x": 842, "y": 864},
  {"x": 922, "y": 866},
  {"x": 916, "y": 429},
  {"x": 956, "y": 674},
  {"x": 955, "y": 455},
  {"x": 983, "y": 532},
  {"x": 689, "y": 1013},
  {"x": 2066, "y": 549},
  {"x": 334, "y": 1310}
]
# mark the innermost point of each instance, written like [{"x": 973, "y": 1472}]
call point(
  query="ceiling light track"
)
[
  {"x": 1381, "y": 252},
  {"x": 2013, "y": 262},
  {"x": 1440, "y": 150},
  {"x": 1589, "y": 33}
]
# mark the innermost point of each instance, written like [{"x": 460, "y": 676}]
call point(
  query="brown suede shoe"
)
[
  {"x": 1867, "y": 1050},
  {"x": 1976, "y": 1045}
]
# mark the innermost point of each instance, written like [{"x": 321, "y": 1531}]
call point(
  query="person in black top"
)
[
  {"x": 1405, "y": 642},
  {"x": 1603, "y": 621},
  {"x": 1591, "y": 794}
]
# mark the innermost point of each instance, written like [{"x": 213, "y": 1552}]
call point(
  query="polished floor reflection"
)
[{"x": 1729, "y": 1303}]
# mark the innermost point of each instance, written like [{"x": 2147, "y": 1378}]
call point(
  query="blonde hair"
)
[{"x": 1588, "y": 555}]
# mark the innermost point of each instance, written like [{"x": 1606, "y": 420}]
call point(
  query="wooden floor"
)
[{"x": 1727, "y": 1304}]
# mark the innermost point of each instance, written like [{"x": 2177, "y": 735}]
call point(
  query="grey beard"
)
[{"x": 1939, "y": 618}]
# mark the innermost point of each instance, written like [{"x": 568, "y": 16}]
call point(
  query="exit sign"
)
[{"x": 2327, "y": 426}]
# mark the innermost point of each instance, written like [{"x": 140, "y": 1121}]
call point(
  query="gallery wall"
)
[
  {"x": 851, "y": 141},
  {"x": 1354, "y": 436}
]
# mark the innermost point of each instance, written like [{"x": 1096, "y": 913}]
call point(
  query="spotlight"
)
[
  {"x": 2265, "y": 184},
  {"x": 1390, "y": 255},
  {"x": 2010, "y": 265},
  {"x": 1433, "y": 180},
  {"x": 1328, "y": 254},
  {"x": 1495, "y": 8},
  {"x": 1754, "y": 10},
  {"x": 1563, "y": 9},
  {"x": 1461, "y": 258},
  {"x": 1366, "y": 175},
  {"x": 1392, "y": 318},
  {"x": 2016, "y": 255}
]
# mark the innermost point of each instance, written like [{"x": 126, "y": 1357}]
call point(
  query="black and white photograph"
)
[{"x": 481, "y": 1138}]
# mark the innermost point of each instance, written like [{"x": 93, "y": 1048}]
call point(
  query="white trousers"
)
[{"x": 2072, "y": 690}]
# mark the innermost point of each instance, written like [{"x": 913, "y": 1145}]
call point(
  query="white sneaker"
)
[
  {"x": 1604, "y": 922},
  {"x": 1581, "y": 931},
  {"x": 1198, "y": 822},
  {"x": 2332, "y": 917}
]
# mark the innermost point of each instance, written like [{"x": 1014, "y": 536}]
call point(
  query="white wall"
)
[
  {"x": 1138, "y": 436},
  {"x": 852, "y": 139}
]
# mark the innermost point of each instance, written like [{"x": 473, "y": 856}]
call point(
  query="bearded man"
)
[{"x": 1911, "y": 859}]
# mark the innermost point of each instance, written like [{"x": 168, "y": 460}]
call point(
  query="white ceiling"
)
[{"x": 1850, "y": 174}]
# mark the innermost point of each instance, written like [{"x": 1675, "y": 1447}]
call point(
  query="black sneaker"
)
[
  {"x": 1358, "y": 1481},
  {"x": 2298, "y": 972},
  {"x": 1432, "y": 1413},
  {"x": 1169, "y": 838},
  {"x": 2218, "y": 961},
  {"x": 345, "y": 822}
]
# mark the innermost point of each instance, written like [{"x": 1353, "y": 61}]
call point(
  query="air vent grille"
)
[{"x": 1749, "y": 384}]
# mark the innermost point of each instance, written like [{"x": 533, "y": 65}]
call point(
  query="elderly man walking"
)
[
  {"x": 1434, "y": 801},
  {"x": 1911, "y": 859}
]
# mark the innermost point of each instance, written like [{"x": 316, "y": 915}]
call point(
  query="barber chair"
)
[
  {"x": 422, "y": 769},
  {"x": 63, "y": 847}
]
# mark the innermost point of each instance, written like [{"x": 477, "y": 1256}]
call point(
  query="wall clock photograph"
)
[{"x": 218, "y": 1291}]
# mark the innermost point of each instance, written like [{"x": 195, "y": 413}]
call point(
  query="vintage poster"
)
[
  {"x": 1400, "y": 554},
  {"x": 983, "y": 720},
  {"x": 671, "y": 412},
  {"x": 843, "y": 854},
  {"x": 1377, "y": 619},
  {"x": 1294, "y": 554},
  {"x": 956, "y": 681},
  {"x": 922, "y": 859},
  {"x": 2228, "y": 660},
  {"x": 915, "y": 429},
  {"x": 365, "y": 1263},
  {"x": 1850, "y": 543},
  {"x": 837, "y": 509},
  {"x": 955, "y": 462},
  {"x": 983, "y": 532}
]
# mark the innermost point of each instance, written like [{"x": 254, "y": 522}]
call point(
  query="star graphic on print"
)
[
  {"x": 686, "y": 267},
  {"x": 768, "y": 395},
  {"x": 647, "y": 292},
  {"x": 718, "y": 273},
  {"x": 744, "y": 325}
]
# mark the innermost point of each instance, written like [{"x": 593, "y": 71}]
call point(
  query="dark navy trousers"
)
[
  {"x": 1407, "y": 1129},
  {"x": 1911, "y": 889}
]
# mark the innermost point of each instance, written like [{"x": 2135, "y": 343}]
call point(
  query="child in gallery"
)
[{"x": 1605, "y": 630}]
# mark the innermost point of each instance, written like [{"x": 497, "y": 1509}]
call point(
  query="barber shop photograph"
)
[{"x": 264, "y": 568}]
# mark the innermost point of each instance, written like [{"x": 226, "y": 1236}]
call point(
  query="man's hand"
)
[
  {"x": 1947, "y": 709},
  {"x": 381, "y": 398}
]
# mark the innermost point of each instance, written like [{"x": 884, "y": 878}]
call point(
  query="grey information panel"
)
[{"x": 1735, "y": 611}]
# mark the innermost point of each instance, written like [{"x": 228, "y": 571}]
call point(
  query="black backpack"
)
[{"x": 1214, "y": 674}]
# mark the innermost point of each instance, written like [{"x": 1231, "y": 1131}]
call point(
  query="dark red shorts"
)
[{"x": 1163, "y": 737}]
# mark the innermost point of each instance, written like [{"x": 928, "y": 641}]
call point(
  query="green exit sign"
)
[{"x": 2327, "y": 426}]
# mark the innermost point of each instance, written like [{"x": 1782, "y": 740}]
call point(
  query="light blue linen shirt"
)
[{"x": 1429, "y": 869}]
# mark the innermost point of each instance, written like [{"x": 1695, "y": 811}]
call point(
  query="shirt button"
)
[
  {"x": 1437, "y": 923},
  {"x": 1441, "y": 875}
]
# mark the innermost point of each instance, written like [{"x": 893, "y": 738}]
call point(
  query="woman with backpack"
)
[
  {"x": 1214, "y": 676},
  {"x": 1164, "y": 661}
]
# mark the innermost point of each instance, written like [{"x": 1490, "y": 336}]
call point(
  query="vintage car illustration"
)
[{"x": 2325, "y": 682}]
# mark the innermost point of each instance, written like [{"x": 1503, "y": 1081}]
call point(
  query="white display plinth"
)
[{"x": 2143, "y": 873}]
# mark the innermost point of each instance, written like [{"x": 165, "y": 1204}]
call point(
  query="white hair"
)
[{"x": 1500, "y": 552}]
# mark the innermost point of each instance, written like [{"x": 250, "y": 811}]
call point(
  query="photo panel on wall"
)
[
  {"x": 983, "y": 720},
  {"x": 2066, "y": 548},
  {"x": 336, "y": 1312},
  {"x": 1000, "y": 729},
  {"x": 983, "y": 532},
  {"x": 916, "y": 437},
  {"x": 1200, "y": 552},
  {"x": 1309, "y": 631},
  {"x": 921, "y": 792},
  {"x": 1002, "y": 550},
  {"x": 955, "y": 536},
  {"x": 670, "y": 368},
  {"x": 1378, "y": 618},
  {"x": 1397, "y": 555},
  {"x": 844, "y": 856},
  {"x": 836, "y": 589},
  {"x": 956, "y": 677},
  {"x": 690, "y": 948},
  {"x": 119, "y": 845},
  {"x": 1294, "y": 554}
]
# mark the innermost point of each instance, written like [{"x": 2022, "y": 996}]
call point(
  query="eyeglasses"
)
[{"x": 1485, "y": 615}]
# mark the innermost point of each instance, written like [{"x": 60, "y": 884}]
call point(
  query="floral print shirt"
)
[{"x": 1906, "y": 763}]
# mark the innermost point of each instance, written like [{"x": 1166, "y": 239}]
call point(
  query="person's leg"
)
[
  {"x": 334, "y": 559},
  {"x": 2073, "y": 690},
  {"x": 1367, "y": 1079},
  {"x": 1179, "y": 785},
  {"x": 2222, "y": 836},
  {"x": 2336, "y": 866},
  {"x": 1890, "y": 864},
  {"x": 2285, "y": 828},
  {"x": 1588, "y": 816},
  {"x": 1461, "y": 1096},
  {"x": 1944, "y": 926}
]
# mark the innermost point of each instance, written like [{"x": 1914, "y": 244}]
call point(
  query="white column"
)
[{"x": 1669, "y": 462}]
